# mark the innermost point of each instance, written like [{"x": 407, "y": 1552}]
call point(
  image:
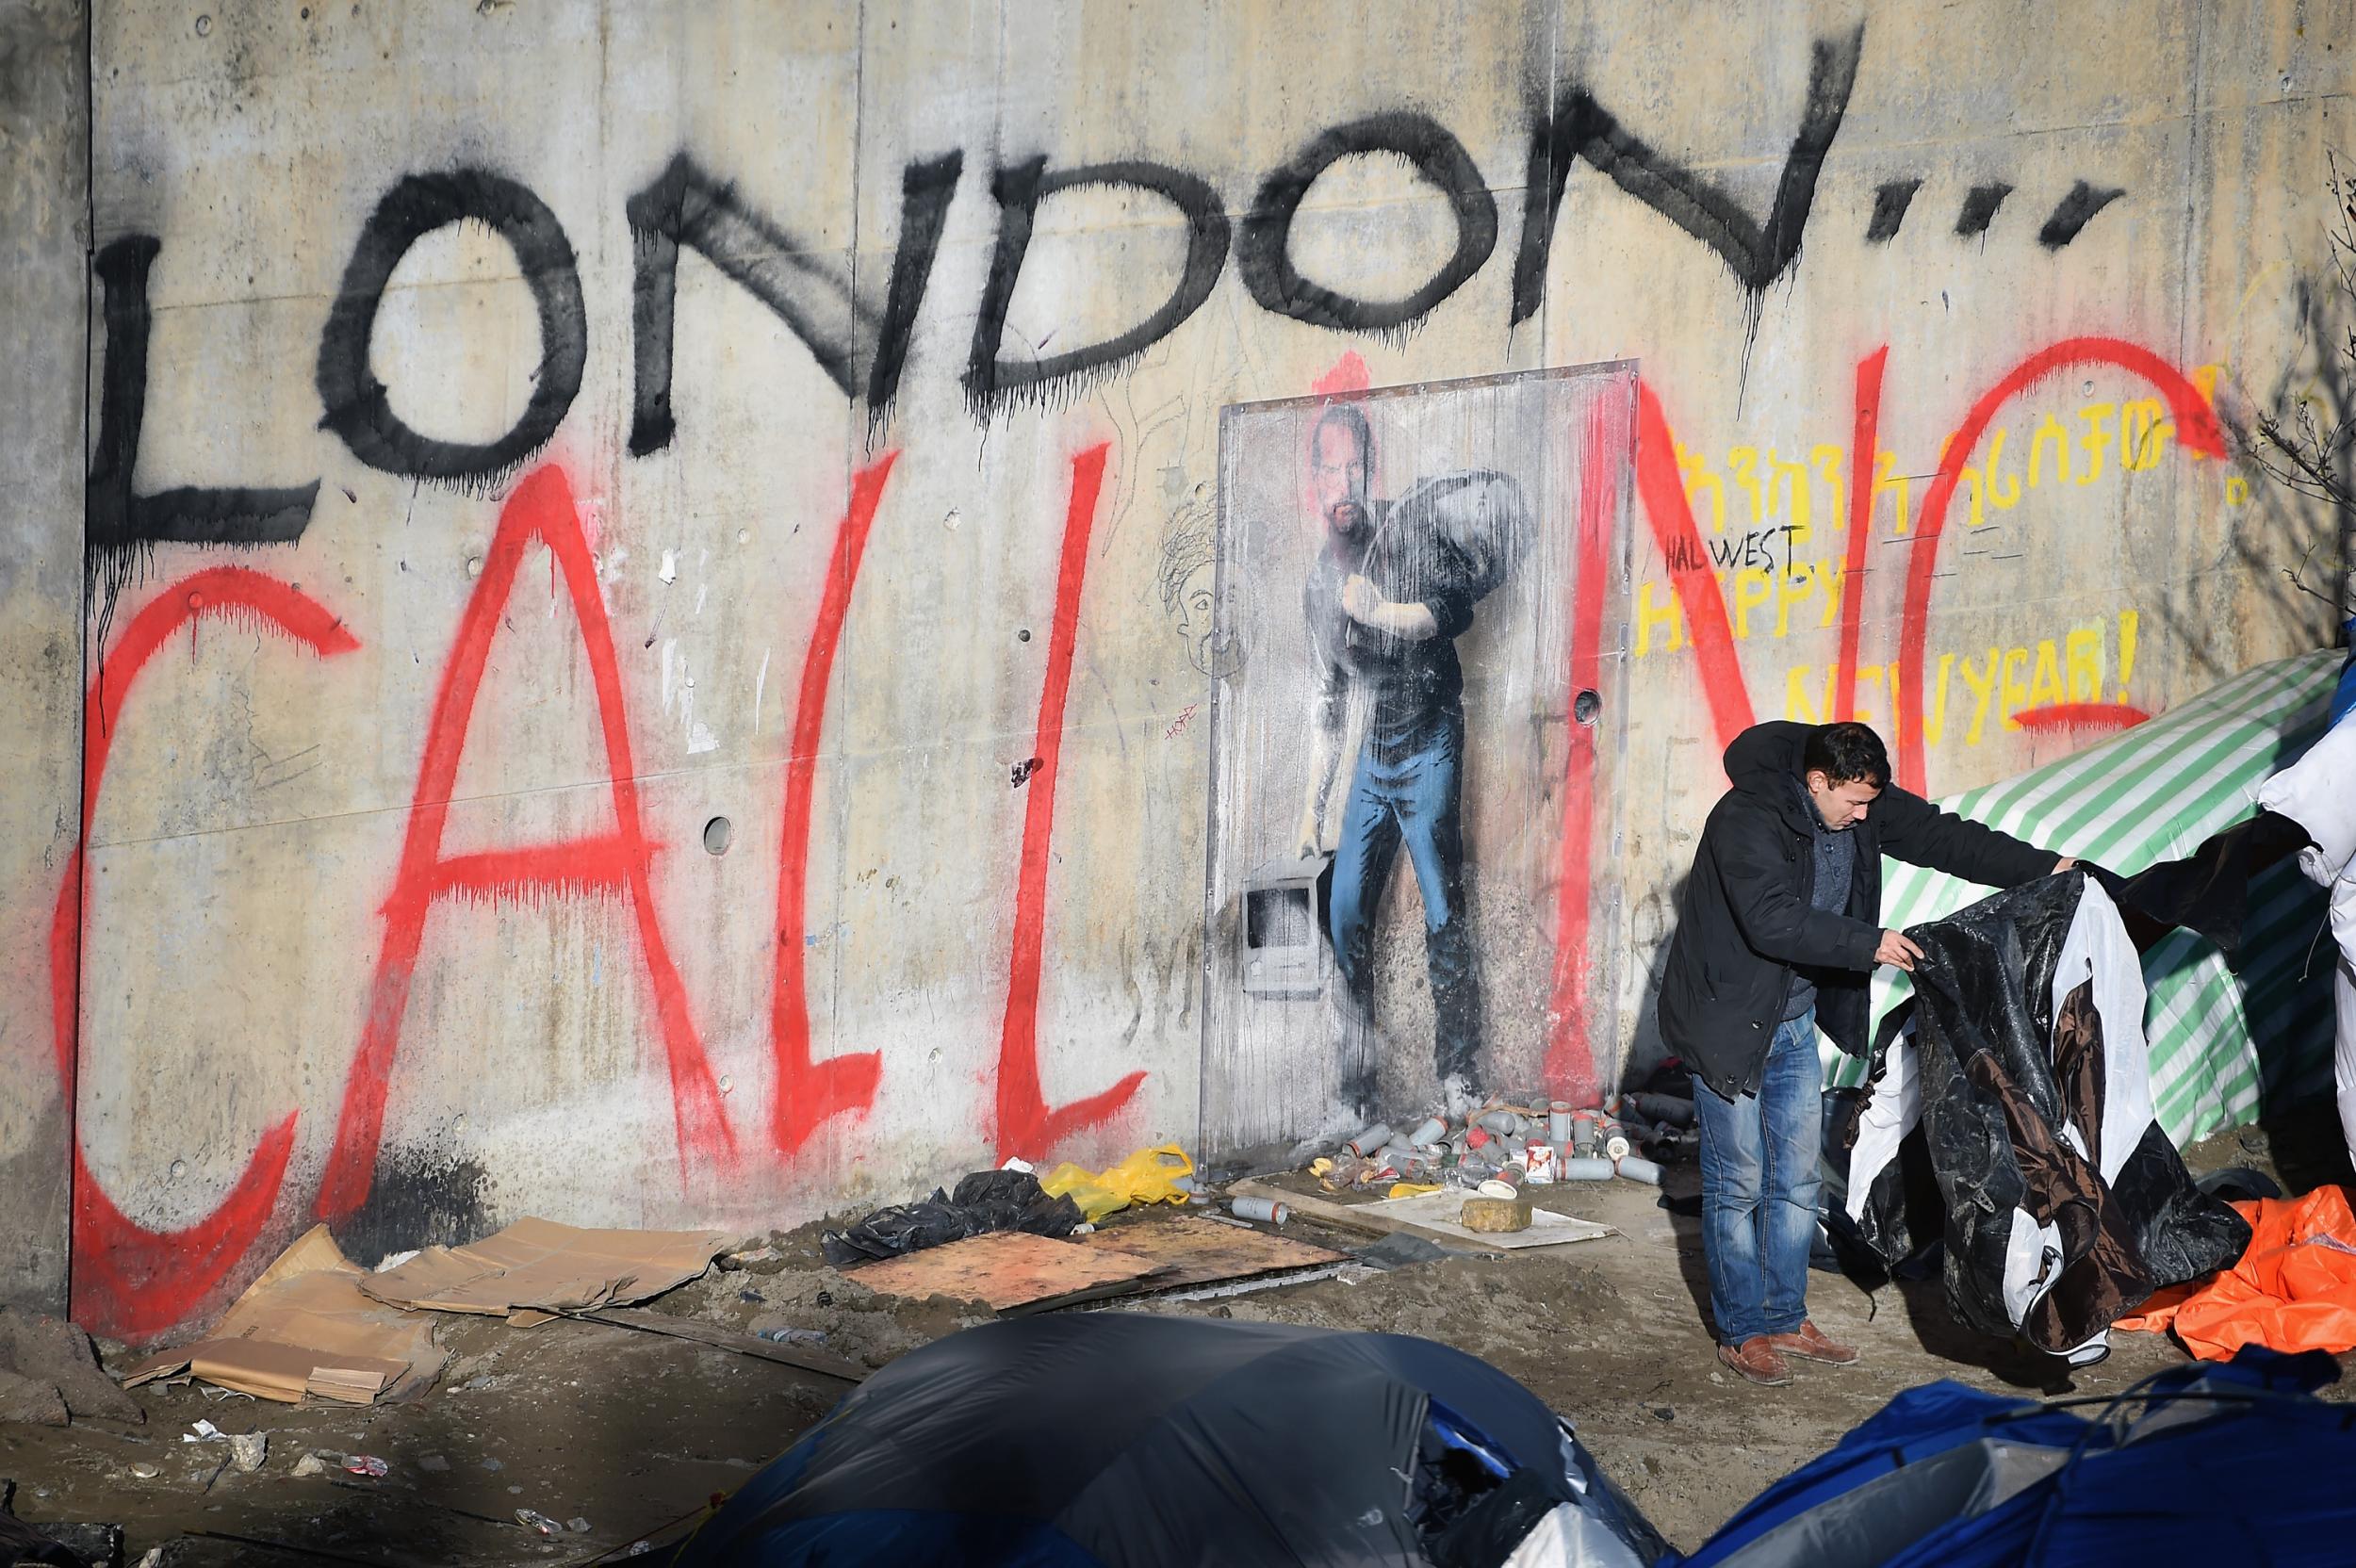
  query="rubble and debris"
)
[
  {"x": 984, "y": 1202},
  {"x": 366, "y": 1465},
  {"x": 536, "y": 1267},
  {"x": 538, "y": 1524},
  {"x": 720, "y": 1338},
  {"x": 246, "y": 1449},
  {"x": 48, "y": 1374},
  {"x": 305, "y": 1327}
]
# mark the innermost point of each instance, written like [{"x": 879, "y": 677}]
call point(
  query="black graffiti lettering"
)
[
  {"x": 1019, "y": 188},
  {"x": 926, "y": 190},
  {"x": 118, "y": 522},
  {"x": 1979, "y": 207},
  {"x": 685, "y": 206},
  {"x": 1757, "y": 253},
  {"x": 357, "y": 407},
  {"x": 1264, "y": 244},
  {"x": 1891, "y": 202},
  {"x": 2075, "y": 212}
]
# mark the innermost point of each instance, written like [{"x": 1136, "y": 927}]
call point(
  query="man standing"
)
[
  {"x": 1779, "y": 932},
  {"x": 1391, "y": 589}
]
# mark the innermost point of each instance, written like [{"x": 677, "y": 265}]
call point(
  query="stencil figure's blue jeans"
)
[
  {"x": 1760, "y": 1186},
  {"x": 1415, "y": 800}
]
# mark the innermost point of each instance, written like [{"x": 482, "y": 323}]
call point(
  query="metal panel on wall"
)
[{"x": 1413, "y": 876}]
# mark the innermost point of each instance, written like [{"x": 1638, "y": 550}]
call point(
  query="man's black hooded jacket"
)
[{"x": 1746, "y": 921}]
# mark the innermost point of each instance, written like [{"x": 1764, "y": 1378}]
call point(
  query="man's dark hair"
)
[
  {"x": 1354, "y": 420},
  {"x": 1846, "y": 753}
]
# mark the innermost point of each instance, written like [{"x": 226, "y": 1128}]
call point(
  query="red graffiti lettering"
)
[
  {"x": 127, "y": 1279},
  {"x": 1570, "y": 1067},
  {"x": 1028, "y": 1125},
  {"x": 1863, "y": 442},
  {"x": 612, "y": 863},
  {"x": 2197, "y": 430},
  {"x": 809, "y": 1094}
]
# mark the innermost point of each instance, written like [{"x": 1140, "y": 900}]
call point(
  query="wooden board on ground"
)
[
  {"x": 1433, "y": 1216},
  {"x": 1200, "y": 1251},
  {"x": 1006, "y": 1269},
  {"x": 1438, "y": 1211}
]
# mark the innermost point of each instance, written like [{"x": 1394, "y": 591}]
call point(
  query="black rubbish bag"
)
[{"x": 984, "y": 1201}]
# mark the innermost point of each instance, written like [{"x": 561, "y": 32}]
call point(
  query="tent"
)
[
  {"x": 2232, "y": 1464},
  {"x": 1130, "y": 1439}
]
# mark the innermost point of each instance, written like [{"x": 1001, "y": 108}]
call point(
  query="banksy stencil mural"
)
[{"x": 1410, "y": 827}]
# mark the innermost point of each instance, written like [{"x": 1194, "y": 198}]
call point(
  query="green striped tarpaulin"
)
[{"x": 2221, "y": 1044}]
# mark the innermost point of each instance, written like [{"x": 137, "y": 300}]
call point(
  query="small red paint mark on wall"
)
[
  {"x": 1178, "y": 725},
  {"x": 2082, "y": 717}
]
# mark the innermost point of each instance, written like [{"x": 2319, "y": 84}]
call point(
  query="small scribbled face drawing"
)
[{"x": 1214, "y": 655}]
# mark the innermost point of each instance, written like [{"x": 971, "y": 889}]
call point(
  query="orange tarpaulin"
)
[{"x": 2295, "y": 1288}]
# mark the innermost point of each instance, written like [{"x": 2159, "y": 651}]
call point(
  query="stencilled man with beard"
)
[{"x": 1391, "y": 590}]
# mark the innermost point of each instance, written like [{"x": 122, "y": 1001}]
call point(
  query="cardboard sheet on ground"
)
[
  {"x": 306, "y": 1328},
  {"x": 1198, "y": 1251},
  {"x": 536, "y": 1267},
  {"x": 1438, "y": 1210},
  {"x": 1005, "y": 1268}
]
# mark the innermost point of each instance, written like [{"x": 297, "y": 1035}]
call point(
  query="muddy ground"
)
[{"x": 629, "y": 1431}]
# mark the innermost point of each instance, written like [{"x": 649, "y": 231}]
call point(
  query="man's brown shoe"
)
[
  {"x": 1808, "y": 1343},
  {"x": 1755, "y": 1360}
]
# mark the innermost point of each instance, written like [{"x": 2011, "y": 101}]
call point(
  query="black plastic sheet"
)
[{"x": 986, "y": 1201}]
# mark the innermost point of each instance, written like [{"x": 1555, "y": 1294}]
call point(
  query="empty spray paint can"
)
[
  {"x": 1497, "y": 1187},
  {"x": 1371, "y": 1139},
  {"x": 1613, "y": 1138},
  {"x": 1668, "y": 1109},
  {"x": 1561, "y": 1129},
  {"x": 1432, "y": 1131},
  {"x": 1266, "y": 1209},
  {"x": 1637, "y": 1168},
  {"x": 1538, "y": 1157},
  {"x": 1585, "y": 1167},
  {"x": 1500, "y": 1122}
]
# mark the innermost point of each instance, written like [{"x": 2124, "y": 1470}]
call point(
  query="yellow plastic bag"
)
[{"x": 1148, "y": 1176}]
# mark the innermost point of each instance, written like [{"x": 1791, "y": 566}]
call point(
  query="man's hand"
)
[
  {"x": 1362, "y": 600},
  {"x": 1897, "y": 950},
  {"x": 2064, "y": 866},
  {"x": 1309, "y": 839}
]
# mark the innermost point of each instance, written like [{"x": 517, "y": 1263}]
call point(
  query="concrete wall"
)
[
  {"x": 453, "y": 624},
  {"x": 44, "y": 236}
]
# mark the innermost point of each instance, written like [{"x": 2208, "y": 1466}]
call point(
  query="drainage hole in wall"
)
[
  {"x": 718, "y": 835},
  {"x": 1586, "y": 706}
]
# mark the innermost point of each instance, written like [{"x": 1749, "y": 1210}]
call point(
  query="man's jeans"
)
[
  {"x": 1759, "y": 1188},
  {"x": 1416, "y": 799}
]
